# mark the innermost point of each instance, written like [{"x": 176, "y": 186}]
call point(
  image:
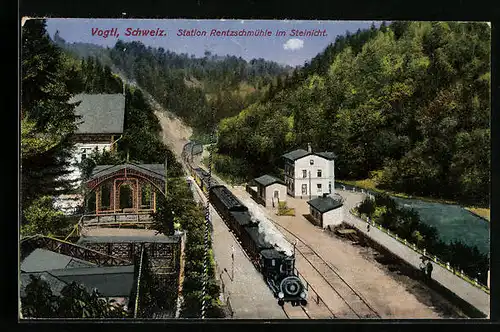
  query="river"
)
[{"x": 452, "y": 222}]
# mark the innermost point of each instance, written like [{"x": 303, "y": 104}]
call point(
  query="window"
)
[
  {"x": 319, "y": 188},
  {"x": 304, "y": 173},
  {"x": 319, "y": 173},
  {"x": 311, "y": 162},
  {"x": 273, "y": 262},
  {"x": 304, "y": 189}
]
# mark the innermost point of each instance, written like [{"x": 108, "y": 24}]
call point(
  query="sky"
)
[{"x": 287, "y": 49}]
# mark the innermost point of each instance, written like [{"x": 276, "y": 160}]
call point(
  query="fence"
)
[
  {"x": 140, "y": 218},
  {"x": 423, "y": 252},
  {"x": 255, "y": 195}
]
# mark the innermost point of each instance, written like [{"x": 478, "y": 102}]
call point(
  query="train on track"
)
[{"x": 276, "y": 267}]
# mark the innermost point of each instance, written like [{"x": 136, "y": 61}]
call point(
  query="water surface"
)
[{"x": 451, "y": 221}]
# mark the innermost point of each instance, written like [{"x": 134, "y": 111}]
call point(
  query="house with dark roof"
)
[
  {"x": 100, "y": 124},
  {"x": 269, "y": 190},
  {"x": 309, "y": 174},
  {"x": 326, "y": 210},
  {"x": 58, "y": 270},
  {"x": 101, "y": 121}
]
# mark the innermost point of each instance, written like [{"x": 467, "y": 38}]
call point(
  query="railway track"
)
[
  {"x": 314, "y": 310},
  {"x": 298, "y": 312},
  {"x": 354, "y": 301}
]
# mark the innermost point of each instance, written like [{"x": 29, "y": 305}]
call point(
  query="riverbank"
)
[
  {"x": 482, "y": 213},
  {"x": 369, "y": 184}
]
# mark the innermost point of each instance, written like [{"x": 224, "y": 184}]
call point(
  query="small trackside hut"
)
[
  {"x": 326, "y": 211},
  {"x": 270, "y": 190}
]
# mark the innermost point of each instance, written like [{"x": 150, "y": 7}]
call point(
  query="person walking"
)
[
  {"x": 422, "y": 267},
  {"x": 368, "y": 228},
  {"x": 429, "y": 270}
]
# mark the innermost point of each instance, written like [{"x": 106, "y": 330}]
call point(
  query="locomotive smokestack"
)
[{"x": 309, "y": 149}]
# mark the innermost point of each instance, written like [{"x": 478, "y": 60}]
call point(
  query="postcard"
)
[{"x": 254, "y": 169}]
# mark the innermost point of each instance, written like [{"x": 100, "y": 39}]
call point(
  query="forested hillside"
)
[
  {"x": 187, "y": 86},
  {"x": 50, "y": 77},
  {"x": 408, "y": 103}
]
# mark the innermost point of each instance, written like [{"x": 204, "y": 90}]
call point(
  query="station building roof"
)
[
  {"x": 325, "y": 204},
  {"x": 267, "y": 180}
]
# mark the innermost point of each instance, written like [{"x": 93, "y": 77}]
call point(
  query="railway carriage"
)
[{"x": 277, "y": 268}]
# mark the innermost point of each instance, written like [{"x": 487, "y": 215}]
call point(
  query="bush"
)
[
  {"x": 190, "y": 216},
  {"x": 74, "y": 302}
]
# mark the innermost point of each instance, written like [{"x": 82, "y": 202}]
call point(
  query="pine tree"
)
[{"x": 48, "y": 119}]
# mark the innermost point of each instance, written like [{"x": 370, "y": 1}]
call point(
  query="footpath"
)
[{"x": 464, "y": 290}]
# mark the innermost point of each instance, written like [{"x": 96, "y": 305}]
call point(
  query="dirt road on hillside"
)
[{"x": 175, "y": 133}]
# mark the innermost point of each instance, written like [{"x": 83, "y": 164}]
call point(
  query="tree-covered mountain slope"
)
[{"x": 410, "y": 101}]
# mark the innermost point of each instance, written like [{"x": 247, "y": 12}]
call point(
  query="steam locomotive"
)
[{"x": 277, "y": 268}]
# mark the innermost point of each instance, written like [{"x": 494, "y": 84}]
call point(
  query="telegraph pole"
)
[
  {"x": 310, "y": 189},
  {"x": 294, "y": 244}
]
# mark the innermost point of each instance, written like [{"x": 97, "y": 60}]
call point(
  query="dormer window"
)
[{"x": 311, "y": 162}]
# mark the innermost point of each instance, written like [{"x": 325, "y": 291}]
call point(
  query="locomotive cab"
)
[
  {"x": 273, "y": 263},
  {"x": 279, "y": 270}
]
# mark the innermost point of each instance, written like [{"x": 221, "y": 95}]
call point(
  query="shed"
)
[
  {"x": 270, "y": 190},
  {"x": 326, "y": 211}
]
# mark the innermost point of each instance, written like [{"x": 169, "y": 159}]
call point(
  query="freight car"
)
[
  {"x": 276, "y": 267},
  {"x": 201, "y": 178}
]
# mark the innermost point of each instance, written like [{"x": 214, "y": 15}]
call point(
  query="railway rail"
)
[
  {"x": 355, "y": 302},
  {"x": 316, "y": 308},
  {"x": 298, "y": 312}
]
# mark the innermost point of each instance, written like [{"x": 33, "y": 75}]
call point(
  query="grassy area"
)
[
  {"x": 284, "y": 210},
  {"x": 371, "y": 184}
]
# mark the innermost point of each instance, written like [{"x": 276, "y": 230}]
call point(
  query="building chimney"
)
[{"x": 309, "y": 149}]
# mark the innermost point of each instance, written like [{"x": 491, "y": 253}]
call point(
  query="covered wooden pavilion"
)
[{"x": 143, "y": 183}]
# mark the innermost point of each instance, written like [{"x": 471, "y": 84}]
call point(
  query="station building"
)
[{"x": 309, "y": 174}]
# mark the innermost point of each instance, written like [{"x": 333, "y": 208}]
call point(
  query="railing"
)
[
  {"x": 140, "y": 218},
  {"x": 70, "y": 249},
  {"x": 413, "y": 246}
]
